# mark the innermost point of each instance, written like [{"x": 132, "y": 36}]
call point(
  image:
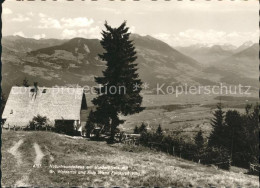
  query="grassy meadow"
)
[
  {"x": 147, "y": 167},
  {"x": 181, "y": 116},
  {"x": 184, "y": 115}
]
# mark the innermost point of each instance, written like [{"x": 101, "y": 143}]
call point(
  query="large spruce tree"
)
[
  {"x": 120, "y": 86},
  {"x": 217, "y": 136},
  {"x": 234, "y": 131}
]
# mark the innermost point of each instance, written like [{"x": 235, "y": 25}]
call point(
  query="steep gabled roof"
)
[{"x": 56, "y": 103}]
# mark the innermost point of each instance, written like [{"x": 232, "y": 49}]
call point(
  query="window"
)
[
  {"x": 11, "y": 112},
  {"x": 32, "y": 90},
  {"x": 44, "y": 90}
]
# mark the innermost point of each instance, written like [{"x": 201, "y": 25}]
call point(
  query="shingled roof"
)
[{"x": 55, "y": 103}]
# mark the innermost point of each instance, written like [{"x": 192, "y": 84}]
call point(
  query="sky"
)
[{"x": 178, "y": 23}]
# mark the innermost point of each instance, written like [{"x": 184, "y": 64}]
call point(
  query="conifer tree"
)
[
  {"x": 234, "y": 131},
  {"x": 142, "y": 128},
  {"x": 136, "y": 130},
  {"x": 159, "y": 130},
  {"x": 251, "y": 138},
  {"x": 199, "y": 140},
  {"x": 217, "y": 135},
  {"x": 120, "y": 86}
]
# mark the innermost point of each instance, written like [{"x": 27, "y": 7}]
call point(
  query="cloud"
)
[
  {"x": 19, "y": 33},
  {"x": 93, "y": 32},
  {"x": 77, "y": 22},
  {"x": 40, "y": 36},
  {"x": 162, "y": 36},
  {"x": 210, "y": 37},
  {"x": 48, "y": 22},
  {"x": 63, "y": 23},
  {"x": 7, "y": 11},
  {"x": 42, "y": 15},
  {"x": 21, "y": 18},
  {"x": 30, "y": 14},
  {"x": 68, "y": 33},
  {"x": 132, "y": 29}
]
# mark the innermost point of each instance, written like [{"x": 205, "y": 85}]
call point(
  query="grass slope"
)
[{"x": 155, "y": 168}]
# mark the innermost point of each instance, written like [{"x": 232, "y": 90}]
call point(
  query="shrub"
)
[
  {"x": 136, "y": 130},
  {"x": 38, "y": 123},
  {"x": 217, "y": 156},
  {"x": 211, "y": 155},
  {"x": 167, "y": 144}
]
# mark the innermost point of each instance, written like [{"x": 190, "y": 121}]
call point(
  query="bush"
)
[
  {"x": 233, "y": 134},
  {"x": 38, "y": 123},
  {"x": 167, "y": 144},
  {"x": 211, "y": 155},
  {"x": 136, "y": 130},
  {"x": 145, "y": 138},
  {"x": 217, "y": 156}
]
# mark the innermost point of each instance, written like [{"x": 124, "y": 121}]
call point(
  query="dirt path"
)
[
  {"x": 18, "y": 156},
  {"x": 23, "y": 182},
  {"x": 14, "y": 151},
  {"x": 39, "y": 154}
]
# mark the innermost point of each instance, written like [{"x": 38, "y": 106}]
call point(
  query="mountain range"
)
[
  {"x": 207, "y": 54},
  {"x": 64, "y": 62}
]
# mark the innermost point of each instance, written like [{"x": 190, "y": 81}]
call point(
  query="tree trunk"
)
[
  {"x": 112, "y": 136},
  {"x": 114, "y": 125}
]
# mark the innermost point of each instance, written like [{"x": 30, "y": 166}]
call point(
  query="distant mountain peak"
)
[
  {"x": 74, "y": 45},
  {"x": 146, "y": 37},
  {"x": 229, "y": 47},
  {"x": 217, "y": 47},
  {"x": 248, "y": 43},
  {"x": 150, "y": 37},
  {"x": 244, "y": 46},
  {"x": 16, "y": 36}
]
